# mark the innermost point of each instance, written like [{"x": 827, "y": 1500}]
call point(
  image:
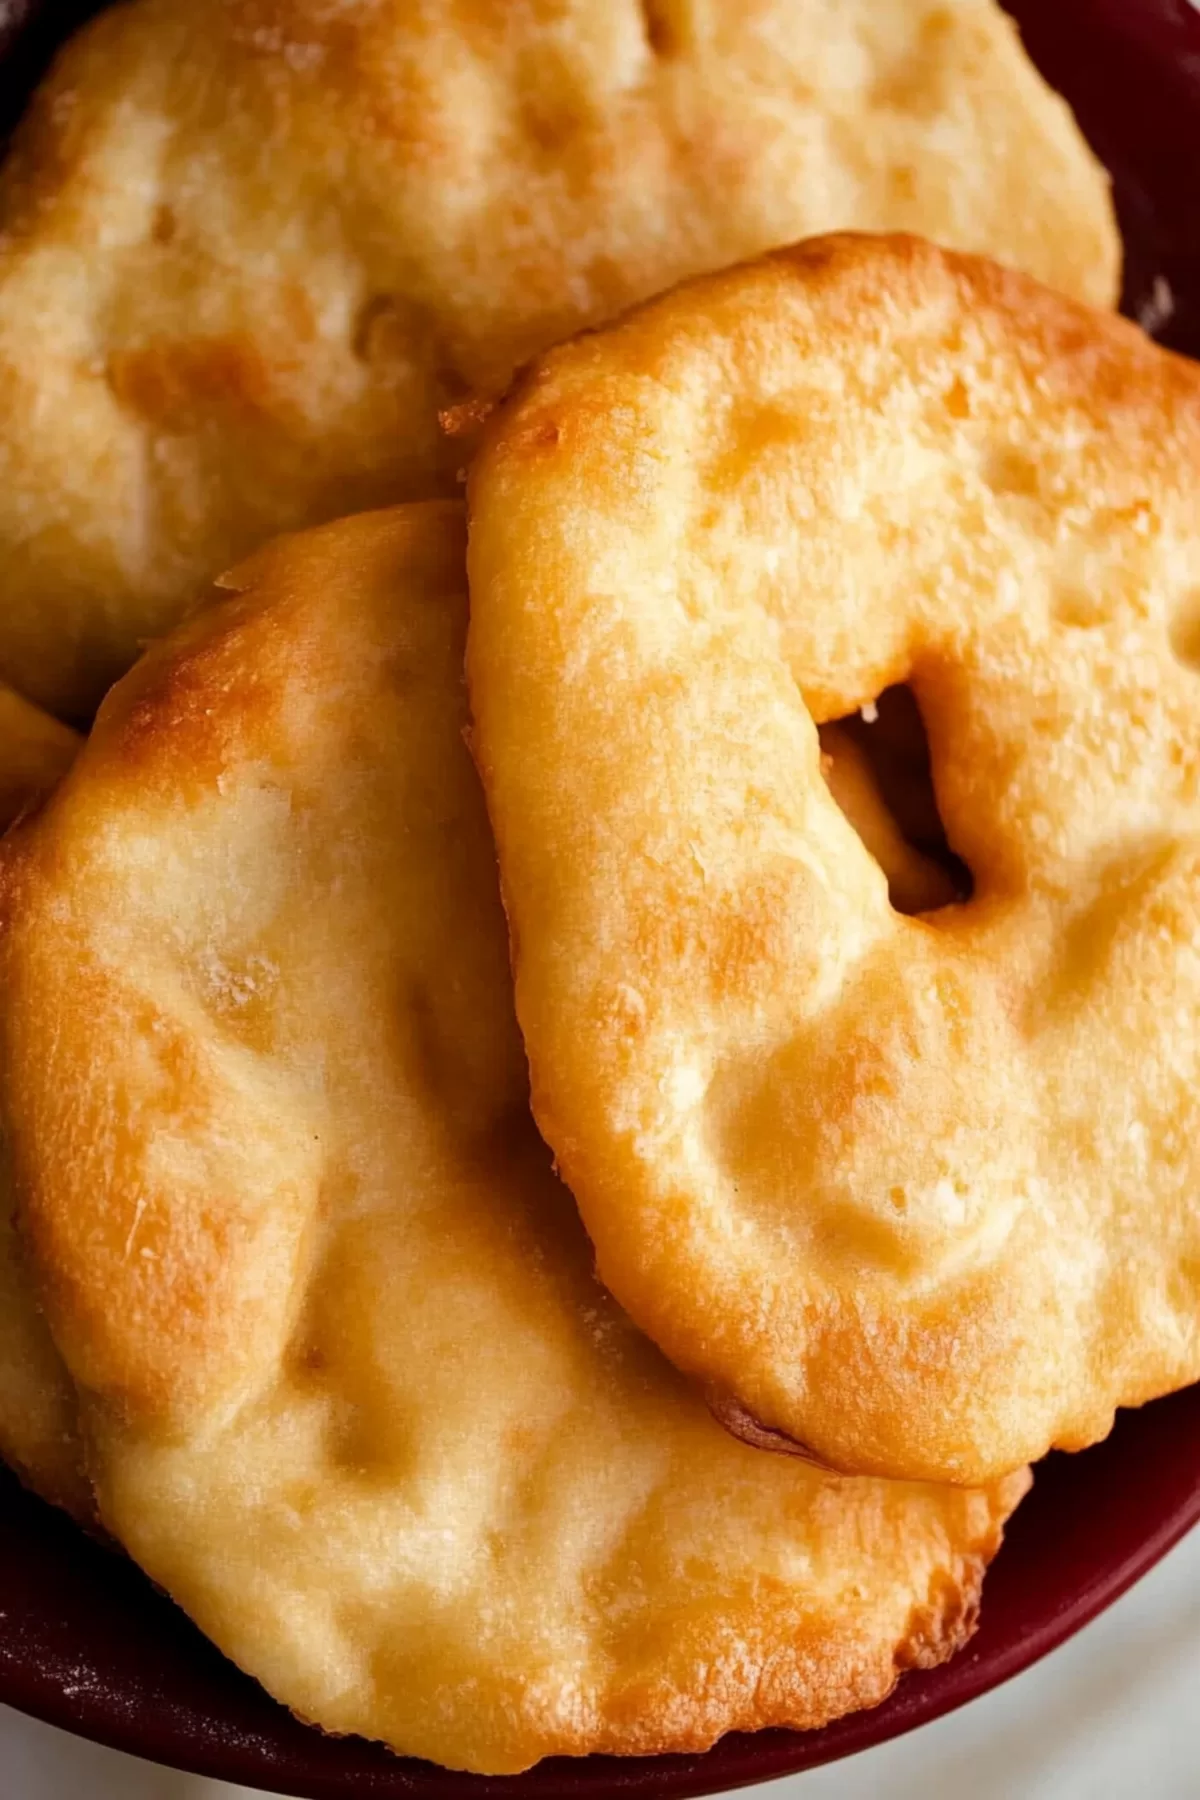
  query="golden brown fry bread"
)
[
  {"x": 250, "y": 247},
  {"x": 38, "y": 1435},
  {"x": 925, "y": 1195},
  {"x": 352, "y": 1393}
]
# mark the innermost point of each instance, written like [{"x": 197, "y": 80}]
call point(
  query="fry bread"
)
[
  {"x": 249, "y": 248},
  {"x": 923, "y": 1194},
  {"x": 350, "y": 1389}
]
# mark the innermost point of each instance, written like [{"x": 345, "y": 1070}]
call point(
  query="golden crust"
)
[
  {"x": 248, "y": 248},
  {"x": 38, "y": 1427},
  {"x": 922, "y": 1194},
  {"x": 351, "y": 1391}
]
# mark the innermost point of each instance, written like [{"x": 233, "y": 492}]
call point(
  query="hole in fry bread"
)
[{"x": 877, "y": 767}]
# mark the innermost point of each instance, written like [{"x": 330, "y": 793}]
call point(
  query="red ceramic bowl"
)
[{"x": 87, "y": 1644}]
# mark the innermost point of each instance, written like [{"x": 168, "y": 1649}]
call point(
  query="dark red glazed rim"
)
[{"x": 88, "y": 1645}]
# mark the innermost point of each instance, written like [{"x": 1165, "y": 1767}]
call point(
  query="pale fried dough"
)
[
  {"x": 250, "y": 247},
  {"x": 38, "y": 1435},
  {"x": 351, "y": 1391},
  {"x": 925, "y": 1195}
]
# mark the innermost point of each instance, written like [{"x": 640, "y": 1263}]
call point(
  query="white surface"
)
[{"x": 1114, "y": 1713}]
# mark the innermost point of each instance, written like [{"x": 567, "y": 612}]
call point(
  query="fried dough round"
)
[
  {"x": 351, "y": 1391},
  {"x": 38, "y": 1427},
  {"x": 923, "y": 1194},
  {"x": 248, "y": 248},
  {"x": 35, "y": 750}
]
